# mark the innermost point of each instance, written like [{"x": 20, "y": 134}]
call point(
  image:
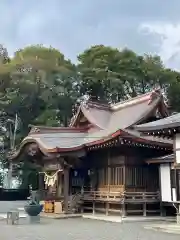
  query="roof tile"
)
[
  {"x": 171, "y": 121},
  {"x": 109, "y": 119}
]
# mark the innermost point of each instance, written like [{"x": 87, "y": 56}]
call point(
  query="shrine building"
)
[{"x": 101, "y": 163}]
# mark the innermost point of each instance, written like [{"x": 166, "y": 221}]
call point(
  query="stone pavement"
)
[
  {"x": 80, "y": 229},
  {"x": 165, "y": 227},
  {"x": 119, "y": 219},
  {"x": 5, "y": 206}
]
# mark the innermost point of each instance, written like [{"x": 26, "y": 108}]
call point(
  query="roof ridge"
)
[
  {"x": 99, "y": 105},
  {"x": 138, "y": 99},
  {"x": 45, "y": 129},
  {"x": 49, "y": 127},
  {"x": 84, "y": 106}
]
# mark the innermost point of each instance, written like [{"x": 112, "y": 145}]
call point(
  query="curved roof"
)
[
  {"x": 121, "y": 115},
  {"x": 170, "y": 158},
  {"x": 111, "y": 120},
  {"x": 168, "y": 122},
  {"x": 69, "y": 142}
]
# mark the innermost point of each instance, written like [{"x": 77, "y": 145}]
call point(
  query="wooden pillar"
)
[
  {"x": 66, "y": 189},
  {"x": 59, "y": 184},
  {"x": 109, "y": 172},
  {"x": 123, "y": 209},
  {"x": 124, "y": 176},
  {"x": 144, "y": 205},
  {"x": 41, "y": 181},
  {"x": 93, "y": 207},
  {"x": 144, "y": 209},
  {"x": 123, "y": 205},
  {"x": 107, "y": 208}
]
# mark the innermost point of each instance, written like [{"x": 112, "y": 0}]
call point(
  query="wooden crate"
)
[{"x": 58, "y": 207}]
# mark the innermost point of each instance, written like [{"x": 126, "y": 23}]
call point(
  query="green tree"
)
[
  {"x": 173, "y": 93},
  {"x": 39, "y": 88},
  {"x": 35, "y": 86},
  {"x": 98, "y": 68},
  {"x": 115, "y": 75}
]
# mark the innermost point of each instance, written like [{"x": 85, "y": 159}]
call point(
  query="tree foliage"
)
[{"x": 41, "y": 86}]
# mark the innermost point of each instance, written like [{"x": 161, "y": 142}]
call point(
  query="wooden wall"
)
[{"x": 122, "y": 169}]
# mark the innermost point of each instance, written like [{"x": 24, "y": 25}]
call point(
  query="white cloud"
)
[{"x": 168, "y": 43}]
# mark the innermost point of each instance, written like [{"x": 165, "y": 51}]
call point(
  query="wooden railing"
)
[
  {"x": 103, "y": 196},
  {"x": 136, "y": 197},
  {"x": 118, "y": 202},
  {"x": 127, "y": 197}
]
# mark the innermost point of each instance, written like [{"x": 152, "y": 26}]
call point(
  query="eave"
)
[
  {"x": 163, "y": 159},
  {"x": 44, "y": 148},
  {"x": 123, "y": 137},
  {"x": 110, "y": 134},
  {"x": 166, "y": 127},
  {"x": 167, "y": 133}
]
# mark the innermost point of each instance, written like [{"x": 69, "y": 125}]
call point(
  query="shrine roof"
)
[
  {"x": 168, "y": 122},
  {"x": 162, "y": 159},
  {"x": 72, "y": 141},
  {"x": 111, "y": 121},
  {"x": 123, "y": 114},
  {"x": 136, "y": 135},
  {"x": 62, "y": 141}
]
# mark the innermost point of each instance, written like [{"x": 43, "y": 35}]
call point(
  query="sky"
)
[{"x": 145, "y": 26}]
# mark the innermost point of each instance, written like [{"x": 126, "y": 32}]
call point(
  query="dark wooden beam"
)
[{"x": 66, "y": 189}]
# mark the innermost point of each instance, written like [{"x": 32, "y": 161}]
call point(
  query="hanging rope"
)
[{"x": 50, "y": 179}]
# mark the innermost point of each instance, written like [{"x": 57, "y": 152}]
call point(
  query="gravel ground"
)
[
  {"x": 80, "y": 229},
  {"x": 75, "y": 229}
]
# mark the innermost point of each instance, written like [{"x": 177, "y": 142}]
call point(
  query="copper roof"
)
[
  {"x": 110, "y": 121},
  {"x": 168, "y": 122},
  {"x": 162, "y": 159}
]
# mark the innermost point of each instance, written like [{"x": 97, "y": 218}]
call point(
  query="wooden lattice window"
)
[
  {"x": 103, "y": 176},
  {"x": 136, "y": 176},
  {"x": 117, "y": 176}
]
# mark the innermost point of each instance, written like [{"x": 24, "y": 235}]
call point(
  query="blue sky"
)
[{"x": 73, "y": 25}]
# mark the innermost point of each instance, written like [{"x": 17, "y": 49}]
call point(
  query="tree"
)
[
  {"x": 173, "y": 92},
  {"x": 99, "y": 72},
  {"x": 115, "y": 75},
  {"x": 40, "y": 88},
  {"x": 35, "y": 72}
]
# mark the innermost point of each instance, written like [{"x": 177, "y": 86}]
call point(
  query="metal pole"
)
[
  {"x": 14, "y": 133},
  {"x": 10, "y": 175}
]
